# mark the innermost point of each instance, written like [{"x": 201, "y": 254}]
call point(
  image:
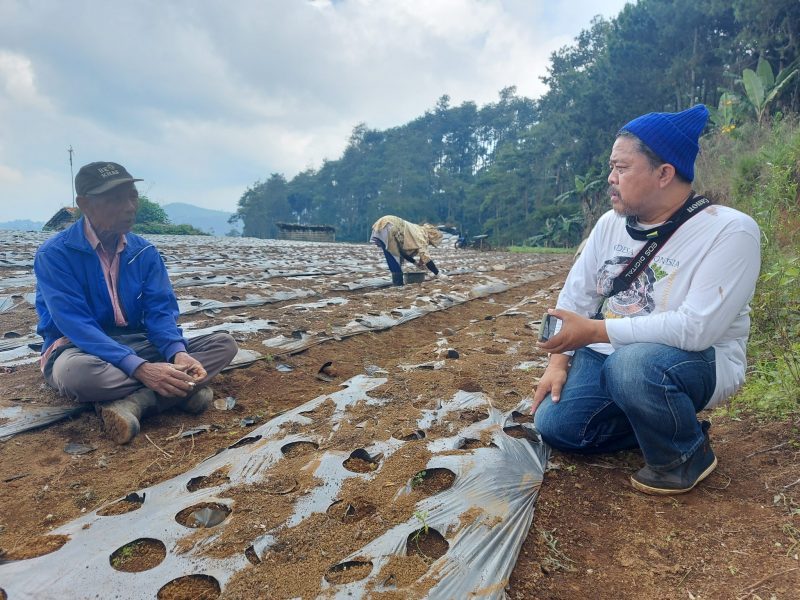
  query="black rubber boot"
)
[
  {"x": 397, "y": 278},
  {"x": 121, "y": 417}
]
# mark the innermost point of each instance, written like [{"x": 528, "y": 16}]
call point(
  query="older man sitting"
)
[{"x": 108, "y": 314}]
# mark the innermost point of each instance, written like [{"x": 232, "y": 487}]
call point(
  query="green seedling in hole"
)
[
  {"x": 125, "y": 554},
  {"x": 417, "y": 480},
  {"x": 421, "y": 516}
]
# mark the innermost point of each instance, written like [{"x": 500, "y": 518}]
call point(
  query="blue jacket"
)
[{"x": 72, "y": 298}]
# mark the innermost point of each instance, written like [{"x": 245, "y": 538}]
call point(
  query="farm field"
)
[{"x": 358, "y": 407}]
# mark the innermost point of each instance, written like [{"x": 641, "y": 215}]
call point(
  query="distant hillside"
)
[
  {"x": 22, "y": 225},
  {"x": 214, "y": 222}
]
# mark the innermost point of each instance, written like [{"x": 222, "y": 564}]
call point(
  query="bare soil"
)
[{"x": 736, "y": 536}]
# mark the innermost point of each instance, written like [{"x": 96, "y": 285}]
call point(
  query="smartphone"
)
[{"x": 547, "y": 328}]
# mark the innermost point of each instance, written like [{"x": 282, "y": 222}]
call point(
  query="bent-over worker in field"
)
[
  {"x": 401, "y": 240},
  {"x": 108, "y": 314},
  {"x": 652, "y": 331}
]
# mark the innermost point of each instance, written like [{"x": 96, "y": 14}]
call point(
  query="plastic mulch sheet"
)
[{"x": 484, "y": 516}]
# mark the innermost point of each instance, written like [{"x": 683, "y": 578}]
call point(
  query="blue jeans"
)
[{"x": 642, "y": 395}]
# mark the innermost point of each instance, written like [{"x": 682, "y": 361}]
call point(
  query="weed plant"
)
[{"x": 757, "y": 170}]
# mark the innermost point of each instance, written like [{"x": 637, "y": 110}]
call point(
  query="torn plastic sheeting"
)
[
  {"x": 18, "y": 281},
  {"x": 291, "y": 345},
  {"x": 22, "y": 355},
  {"x": 198, "y": 280},
  {"x": 9, "y": 343},
  {"x": 365, "y": 323},
  {"x": 12, "y": 301},
  {"x": 243, "y": 358},
  {"x": 360, "y": 284},
  {"x": 253, "y": 326},
  {"x": 335, "y": 301},
  {"x": 6, "y": 303},
  {"x": 499, "y": 483},
  {"x": 188, "y": 307},
  {"x": 433, "y": 365},
  {"x": 25, "y": 417}
]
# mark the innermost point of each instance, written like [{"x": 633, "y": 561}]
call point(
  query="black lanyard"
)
[{"x": 655, "y": 238}]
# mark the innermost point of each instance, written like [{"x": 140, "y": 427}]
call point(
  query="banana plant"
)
[
  {"x": 762, "y": 86},
  {"x": 724, "y": 116}
]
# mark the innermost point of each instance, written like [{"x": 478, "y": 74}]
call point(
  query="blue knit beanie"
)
[{"x": 672, "y": 136}]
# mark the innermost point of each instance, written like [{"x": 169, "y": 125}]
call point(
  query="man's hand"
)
[
  {"x": 576, "y": 332},
  {"x": 190, "y": 365},
  {"x": 552, "y": 381},
  {"x": 170, "y": 381}
]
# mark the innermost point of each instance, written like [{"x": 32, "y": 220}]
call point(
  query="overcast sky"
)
[{"x": 203, "y": 98}]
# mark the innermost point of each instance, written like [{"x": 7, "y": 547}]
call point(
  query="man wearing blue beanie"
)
[{"x": 653, "y": 318}]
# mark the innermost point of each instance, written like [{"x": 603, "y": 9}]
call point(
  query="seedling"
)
[
  {"x": 421, "y": 516},
  {"x": 124, "y": 555},
  {"x": 417, "y": 480}
]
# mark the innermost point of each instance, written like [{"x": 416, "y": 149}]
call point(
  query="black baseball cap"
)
[{"x": 99, "y": 177}]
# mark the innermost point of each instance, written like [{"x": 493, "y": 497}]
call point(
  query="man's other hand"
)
[
  {"x": 187, "y": 363},
  {"x": 165, "y": 379},
  {"x": 552, "y": 380}
]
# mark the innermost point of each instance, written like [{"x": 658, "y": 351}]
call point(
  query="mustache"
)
[{"x": 612, "y": 189}]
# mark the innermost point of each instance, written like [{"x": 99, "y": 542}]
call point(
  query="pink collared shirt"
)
[{"x": 110, "y": 265}]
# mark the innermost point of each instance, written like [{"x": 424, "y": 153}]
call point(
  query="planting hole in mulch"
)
[
  {"x": 432, "y": 481},
  {"x": 361, "y": 462},
  {"x": 245, "y": 441},
  {"x": 348, "y": 572},
  {"x": 138, "y": 555},
  {"x": 468, "y": 385},
  {"x": 408, "y": 434},
  {"x": 519, "y": 417},
  {"x": 250, "y": 554},
  {"x": 190, "y": 587},
  {"x": 216, "y": 478},
  {"x": 472, "y": 444},
  {"x": 127, "y": 504},
  {"x": 203, "y": 515},
  {"x": 473, "y": 415},
  {"x": 279, "y": 485},
  {"x": 351, "y": 511},
  {"x": 295, "y": 449},
  {"x": 516, "y": 431},
  {"x": 34, "y": 547},
  {"x": 427, "y": 543}
]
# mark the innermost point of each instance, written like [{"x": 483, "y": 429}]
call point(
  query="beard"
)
[{"x": 618, "y": 203}]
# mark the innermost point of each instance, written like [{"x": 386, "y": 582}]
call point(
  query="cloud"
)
[{"x": 204, "y": 98}]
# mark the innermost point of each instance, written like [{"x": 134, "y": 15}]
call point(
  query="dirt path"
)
[{"x": 593, "y": 536}]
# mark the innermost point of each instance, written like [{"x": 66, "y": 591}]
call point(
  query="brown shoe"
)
[
  {"x": 121, "y": 417},
  {"x": 198, "y": 401}
]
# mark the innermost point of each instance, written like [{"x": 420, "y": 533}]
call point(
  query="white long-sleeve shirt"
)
[{"x": 693, "y": 295}]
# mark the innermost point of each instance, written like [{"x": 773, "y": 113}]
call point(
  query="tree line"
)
[{"x": 533, "y": 171}]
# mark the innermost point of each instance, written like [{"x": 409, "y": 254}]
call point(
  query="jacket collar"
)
[{"x": 74, "y": 237}]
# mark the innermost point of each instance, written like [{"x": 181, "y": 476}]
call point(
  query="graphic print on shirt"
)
[{"x": 637, "y": 300}]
